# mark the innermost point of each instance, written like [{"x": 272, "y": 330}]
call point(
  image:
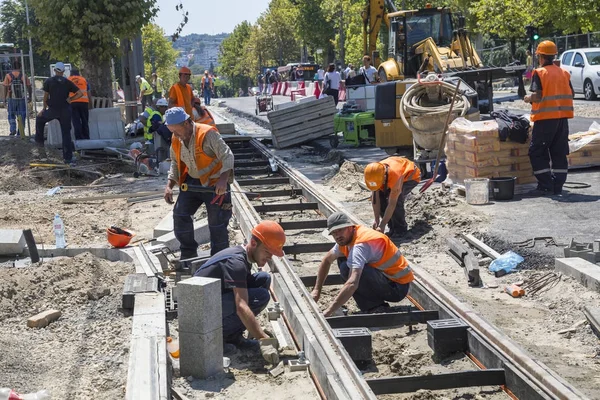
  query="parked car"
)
[{"x": 584, "y": 67}]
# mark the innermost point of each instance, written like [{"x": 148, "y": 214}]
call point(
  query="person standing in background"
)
[
  {"x": 332, "y": 83},
  {"x": 80, "y": 113}
]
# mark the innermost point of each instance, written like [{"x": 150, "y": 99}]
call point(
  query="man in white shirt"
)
[{"x": 368, "y": 71}]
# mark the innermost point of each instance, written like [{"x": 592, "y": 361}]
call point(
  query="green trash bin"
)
[{"x": 357, "y": 128}]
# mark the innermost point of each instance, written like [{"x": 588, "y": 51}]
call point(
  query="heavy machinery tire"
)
[{"x": 588, "y": 90}]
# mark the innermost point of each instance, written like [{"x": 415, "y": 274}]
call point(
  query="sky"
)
[{"x": 209, "y": 16}]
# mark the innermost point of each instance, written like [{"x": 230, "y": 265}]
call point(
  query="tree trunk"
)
[
  {"x": 342, "y": 39},
  {"x": 97, "y": 73},
  {"x": 513, "y": 48}
]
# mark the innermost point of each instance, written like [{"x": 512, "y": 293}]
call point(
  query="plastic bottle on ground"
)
[
  {"x": 59, "y": 232},
  {"x": 173, "y": 347},
  {"x": 9, "y": 394}
]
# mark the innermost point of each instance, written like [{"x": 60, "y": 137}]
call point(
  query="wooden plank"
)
[
  {"x": 308, "y": 248},
  {"x": 382, "y": 320},
  {"x": 280, "y": 193},
  {"x": 312, "y": 224},
  {"x": 287, "y": 207},
  {"x": 111, "y": 197},
  {"x": 303, "y": 125},
  {"x": 301, "y": 119},
  {"x": 485, "y": 249},
  {"x": 298, "y": 138},
  {"x": 330, "y": 280},
  {"x": 263, "y": 181},
  {"x": 321, "y": 103}
]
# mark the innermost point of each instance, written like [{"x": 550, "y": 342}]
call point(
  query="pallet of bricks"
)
[
  {"x": 584, "y": 148},
  {"x": 474, "y": 150}
]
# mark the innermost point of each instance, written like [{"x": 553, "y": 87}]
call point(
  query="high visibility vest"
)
[
  {"x": 557, "y": 97},
  {"x": 82, "y": 84},
  {"x": 398, "y": 167},
  {"x": 206, "y": 119},
  {"x": 208, "y": 167},
  {"x": 151, "y": 112},
  {"x": 145, "y": 87},
  {"x": 179, "y": 100},
  {"x": 393, "y": 264}
]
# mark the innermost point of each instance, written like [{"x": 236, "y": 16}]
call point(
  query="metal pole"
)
[
  {"x": 32, "y": 72},
  {"x": 25, "y": 94}
]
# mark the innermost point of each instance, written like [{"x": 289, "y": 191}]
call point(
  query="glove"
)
[{"x": 268, "y": 349}]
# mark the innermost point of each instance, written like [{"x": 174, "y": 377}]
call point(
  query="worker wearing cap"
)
[
  {"x": 57, "y": 105},
  {"x": 551, "y": 108},
  {"x": 201, "y": 114},
  {"x": 146, "y": 91},
  {"x": 80, "y": 113},
  {"x": 181, "y": 94},
  {"x": 207, "y": 86},
  {"x": 372, "y": 267},
  {"x": 391, "y": 180},
  {"x": 153, "y": 118},
  {"x": 202, "y": 160},
  {"x": 245, "y": 294}
]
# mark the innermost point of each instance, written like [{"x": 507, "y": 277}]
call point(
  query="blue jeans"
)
[
  {"x": 258, "y": 298},
  {"x": 374, "y": 288},
  {"x": 207, "y": 94},
  {"x": 218, "y": 218},
  {"x": 16, "y": 108}
]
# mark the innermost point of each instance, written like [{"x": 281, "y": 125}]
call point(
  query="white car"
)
[{"x": 584, "y": 67}]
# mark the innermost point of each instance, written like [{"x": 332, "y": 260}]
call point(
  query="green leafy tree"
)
[
  {"x": 275, "y": 36},
  {"x": 316, "y": 28},
  {"x": 159, "y": 54},
  {"x": 571, "y": 16},
  {"x": 232, "y": 56},
  {"x": 89, "y": 30}
]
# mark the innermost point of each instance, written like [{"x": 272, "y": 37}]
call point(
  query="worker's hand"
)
[
  {"x": 221, "y": 186},
  {"x": 527, "y": 99},
  {"x": 376, "y": 223},
  {"x": 328, "y": 313},
  {"x": 168, "y": 195},
  {"x": 316, "y": 295},
  {"x": 379, "y": 229},
  {"x": 268, "y": 349}
]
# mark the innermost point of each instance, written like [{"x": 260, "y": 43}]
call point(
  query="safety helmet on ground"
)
[
  {"x": 547, "y": 48},
  {"x": 271, "y": 235},
  {"x": 185, "y": 70},
  {"x": 374, "y": 176},
  {"x": 118, "y": 238},
  {"x": 162, "y": 103}
]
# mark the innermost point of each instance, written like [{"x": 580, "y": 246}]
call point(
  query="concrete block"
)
[
  {"x": 585, "y": 272},
  {"x": 104, "y": 123},
  {"x": 201, "y": 234},
  {"x": 201, "y": 355},
  {"x": 164, "y": 226},
  {"x": 43, "y": 319},
  {"x": 12, "y": 241},
  {"x": 199, "y": 305}
]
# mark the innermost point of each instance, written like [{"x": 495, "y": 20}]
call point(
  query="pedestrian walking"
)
[
  {"x": 202, "y": 160},
  {"x": 181, "y": 94},
  {"x": 207, "y": 87},
  {"x": 551, "y": 107},
  {"x": 146, "y": 91},
  {"x": 57, "y": 105},
  {"x": 332, "y": 83},
  {"x": 80, "y": 113},
  {"x": 16, "y": 89}
]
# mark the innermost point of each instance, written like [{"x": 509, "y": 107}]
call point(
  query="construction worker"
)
[
  {"x": 158, "y": 86},
  {"x": 372, "y": 267},
  {"x": 13, "y": 89},
  {"x": 391, "y": 180},
  {"x": 551, "y": 108},
  {"x": 201, "y": 114},
  {"x": 57, "y": 105},
  {"x": 146, "y": 91},
  {"x": 207, "y": 86},
  {"x": 80, "y": 113},
  {"x": 244, "y": 294},
  {"x": 153, "y": 117},
  {"x": 181, "y": 94},
  {"x": 202, "y": 160}
]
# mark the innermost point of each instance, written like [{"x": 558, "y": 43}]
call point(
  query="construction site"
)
[{"x": 102, "y": 297}]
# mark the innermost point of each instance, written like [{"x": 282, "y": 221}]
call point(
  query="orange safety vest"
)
[
  {"x": 393, "y": 264},
  {"x": 180, "y": 101},
  {"x": 82, "y": 84},
  {"x": 397, "y": 167},
  {"x": 206, "y": 119},
  {"x": 208, "y": 167},
  {"x": 557, "y": 96}
]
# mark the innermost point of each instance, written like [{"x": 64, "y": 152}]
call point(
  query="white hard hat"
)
[
  {"x": 162, "y": 102},
  {"x": 137, "y": 77},
  {"x": 135, "y": 145}
]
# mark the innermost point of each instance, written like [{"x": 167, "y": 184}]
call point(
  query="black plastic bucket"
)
[{"x": 503, "y": 188}]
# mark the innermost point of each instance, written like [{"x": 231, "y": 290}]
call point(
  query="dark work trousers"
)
[
  {"x": 548, "y": 153},
  {"x": 218, "y": 218},
  {"x": 374, "y": 288},
  {"x": 64, "y": 117},
  {"x": 397, "y": 224},
  {"x": 80, "y": 117},
  {"x": 335, "y": 94},
  {"x": 147, "y": 100},
  {"x": 258, "y": 298}
]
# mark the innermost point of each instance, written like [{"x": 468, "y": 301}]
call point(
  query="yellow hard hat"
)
[
  {"x": 547, "y": 48},
  {"x": 374, "y": 176}
]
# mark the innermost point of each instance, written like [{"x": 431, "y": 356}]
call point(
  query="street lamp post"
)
[{"x": 32, "y": 73}]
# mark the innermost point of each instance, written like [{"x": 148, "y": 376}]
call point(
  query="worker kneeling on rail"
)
[
  {"x": 391, "y": 180},
  {"x": 202, "y": 160},
  {"x": 371, "y": 265},
  {"x": 244, "y": 294}
]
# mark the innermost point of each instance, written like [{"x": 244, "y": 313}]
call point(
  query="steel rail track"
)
[{"x": 335, "y": 371}]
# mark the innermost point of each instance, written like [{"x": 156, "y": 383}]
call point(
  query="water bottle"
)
[
  {"x": 59, "y": 232},
  {"x": 173, "y": 347},
  {"x": 9, "y": 394}
]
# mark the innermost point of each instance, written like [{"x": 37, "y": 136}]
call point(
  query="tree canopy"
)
[{"x": 159, "y": 54}]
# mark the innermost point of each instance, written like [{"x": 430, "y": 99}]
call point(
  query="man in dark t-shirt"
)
[
  {"x": 57, "y": 105},
  {"x": 244, "y": 294}
]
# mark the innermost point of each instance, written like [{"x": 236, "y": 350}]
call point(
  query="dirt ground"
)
[{"x": 82, "y": 355}]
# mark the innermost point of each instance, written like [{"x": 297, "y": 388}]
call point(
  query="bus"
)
[{"x": 298, "y": 72}]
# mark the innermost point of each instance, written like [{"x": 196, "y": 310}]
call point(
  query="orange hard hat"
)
[
  {"x": 271, "y": 234},
  {"x": 118, "y": 239},
  {"x": 547, "y": 48},
  {"x": 374, "y": 176},
  {"x": 185, "y": 70}
]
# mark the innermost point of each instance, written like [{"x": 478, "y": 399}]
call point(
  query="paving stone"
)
[
  {"x": 164, "y": 226},
  {"x": 201, "y": 234},
  {"x": 43, "y": 319},
  {"x": 12, "y": 241},
  {"x": 585, "y": 272}
]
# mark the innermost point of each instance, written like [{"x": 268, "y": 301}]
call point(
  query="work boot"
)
[
  {"x": 13, "y": 133},
  {"x": 539, "y": 192},
  {"x": 229, "y": 349}
]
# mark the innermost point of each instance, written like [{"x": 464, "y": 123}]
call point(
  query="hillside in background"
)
[{"x": 199, "y": 51}]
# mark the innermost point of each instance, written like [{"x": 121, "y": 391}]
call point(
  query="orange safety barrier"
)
[
  {"x": 317, "y": 92},
  {"x": 286, "y": 86},
  {"x": 279, "y": 87},
  {"x": 301, "y": 91},
  {"x": 275, "y": 87}
]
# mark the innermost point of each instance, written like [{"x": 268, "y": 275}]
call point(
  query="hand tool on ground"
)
[
  {"x": 201, "y": 189},
  {"x": 442, "y": 143}
]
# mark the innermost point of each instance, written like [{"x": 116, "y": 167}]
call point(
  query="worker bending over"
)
[
  {"x": 391, "y": 180},
  {"x": 551, "y": 108},
  {"x": 372, "y": 267},
  {"x": 244, "y": 294},
  {"x": 201, "y": 114},
  {"x": 201, "y": 159}
]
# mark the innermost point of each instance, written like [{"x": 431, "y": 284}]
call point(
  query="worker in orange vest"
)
[
  {"x": 372, "y": 267},
  {"x": 551, "y": 108},
  {"x": 201, "y": 159},
  {"x": 80, "y": 113},
  {"x": 391, "y": 180},
  {"x": 202, "y": 115},
  {"x": 181, "y": 94},
  {"x": 207, "y": 86}
]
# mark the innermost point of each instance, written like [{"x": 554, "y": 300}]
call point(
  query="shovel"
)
[{"x": 442, "y": 143}]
